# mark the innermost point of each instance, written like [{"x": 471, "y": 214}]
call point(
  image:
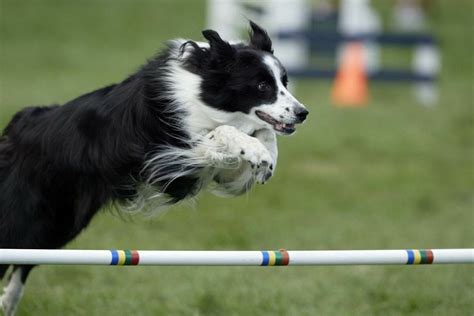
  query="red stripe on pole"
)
[
  {"x": 285, "y": 257},
  {"x": 429, "y": 256},
  {"x": 135, "y": 258}
]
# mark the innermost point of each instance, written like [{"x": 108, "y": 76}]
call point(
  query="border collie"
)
[{"x": 197, "y": 115}]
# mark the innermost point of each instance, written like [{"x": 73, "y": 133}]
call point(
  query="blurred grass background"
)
[{"x": 392, "y": 175}]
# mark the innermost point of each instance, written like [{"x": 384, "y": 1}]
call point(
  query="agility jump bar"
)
[{"x": 236, "y": 258}]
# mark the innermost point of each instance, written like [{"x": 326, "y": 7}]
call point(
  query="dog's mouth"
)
[{"x": 284, "y": 128}]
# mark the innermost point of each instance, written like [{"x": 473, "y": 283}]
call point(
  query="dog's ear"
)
[
  {"x": 222, "y": 48},
  {"x": 259, "y": 38}
]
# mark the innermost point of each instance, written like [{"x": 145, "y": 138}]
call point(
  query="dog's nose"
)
[{"x": 301, "y": 113}]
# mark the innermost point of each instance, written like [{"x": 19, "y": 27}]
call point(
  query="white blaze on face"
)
[{"x": 276, "y": 70}]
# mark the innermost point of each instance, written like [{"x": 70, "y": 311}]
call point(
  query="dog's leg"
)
[
  {"x": 13, "y": 292},
  {"x": 268, "y": 138}
]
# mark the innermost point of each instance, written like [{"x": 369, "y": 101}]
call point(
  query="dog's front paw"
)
[
  {"x": 236, "y": 144},
  {"x": 260, "y": 161},
  {"x": 249, "y": 149}
]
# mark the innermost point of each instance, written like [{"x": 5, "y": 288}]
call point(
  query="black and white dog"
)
[{"x": 198, "y": 115}]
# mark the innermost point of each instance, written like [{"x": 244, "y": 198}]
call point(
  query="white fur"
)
[{"x": 12, "y": 294}]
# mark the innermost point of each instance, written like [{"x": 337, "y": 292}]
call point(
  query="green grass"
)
[{"x": 392, "y": 175}]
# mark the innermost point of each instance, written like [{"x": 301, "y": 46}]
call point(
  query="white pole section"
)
[{"x": 236, "y": 258}]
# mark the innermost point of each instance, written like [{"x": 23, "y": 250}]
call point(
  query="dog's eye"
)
[{"x": 263, "y": 86}]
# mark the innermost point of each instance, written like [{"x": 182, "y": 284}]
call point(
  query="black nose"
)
[{"x": 301, "y": 113}]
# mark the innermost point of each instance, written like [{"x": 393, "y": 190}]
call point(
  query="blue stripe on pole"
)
[
  {"x": 115, "y": 257},
  {"x": 411, "y": 257},
  {"x": 266, "y": 258}
]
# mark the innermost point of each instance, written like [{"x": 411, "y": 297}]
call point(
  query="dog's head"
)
[{"x": 248, "y": 79}]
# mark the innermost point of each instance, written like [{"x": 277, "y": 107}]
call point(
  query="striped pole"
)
[{"x": 236, "y": 258}]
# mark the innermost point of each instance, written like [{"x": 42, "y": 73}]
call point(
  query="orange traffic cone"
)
[{"x": 350, "y": 86}]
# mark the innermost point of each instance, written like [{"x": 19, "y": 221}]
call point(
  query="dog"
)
[{"x": 198, "y": 115}]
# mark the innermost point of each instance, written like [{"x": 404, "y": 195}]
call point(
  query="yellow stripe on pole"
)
[
  {"x": 417, "y": 257},
  {"x": 122, "y": 257},
  {"x": 272, "y": 258}
]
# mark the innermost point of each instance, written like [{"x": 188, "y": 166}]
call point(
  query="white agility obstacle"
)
[{"x": 236, "y": 258}]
